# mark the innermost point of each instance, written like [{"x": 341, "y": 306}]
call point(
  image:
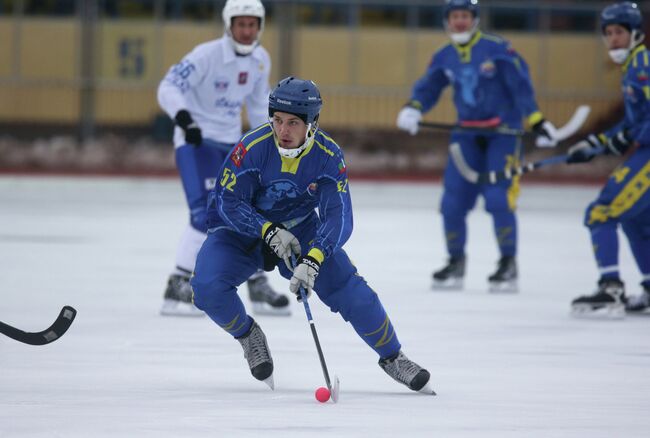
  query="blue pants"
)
[
  {"x": 227, "y": 259},
  {"x": 624, "y": 200},
  {"x": 198, "y": 168},
  {"x": 482, "y": 153}
]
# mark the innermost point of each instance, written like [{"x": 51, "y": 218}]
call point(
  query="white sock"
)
[{"x": 187, "y": 250}]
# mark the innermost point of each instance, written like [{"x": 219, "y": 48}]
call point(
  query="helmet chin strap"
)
[
  {"x": 293, "y": 153},
  {"x": 462, "y": 37},
  {"x": 243, "y": 49},
  {"x": 620, "y": 55}
]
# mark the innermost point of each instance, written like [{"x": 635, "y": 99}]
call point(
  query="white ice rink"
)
[{"x": 503, "y": 365}]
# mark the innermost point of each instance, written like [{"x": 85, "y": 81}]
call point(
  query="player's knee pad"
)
[
  {"x": 636, "y": 230},
  {"x": 454, "y": 206},
  {"x": 210, "y": 295},
  {"x": 357, "y": 301},
  {"x": 598, "y": 215},
  {"x": 199, "y": 219},
  {"x": 496, "y": 199}
]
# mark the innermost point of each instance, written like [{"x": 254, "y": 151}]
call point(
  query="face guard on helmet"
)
[
  {"x": 302, "y": 99},
  {"x": 465, "y": 5},
  {"x": 243, "y": 8},
  {"x": 628, "y": 15}
]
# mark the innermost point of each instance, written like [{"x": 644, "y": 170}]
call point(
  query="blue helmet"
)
[
  {"x": 627, "y": 14},
  {"x": 468, "y": 5},
  {"x": 298, "y": 97}
]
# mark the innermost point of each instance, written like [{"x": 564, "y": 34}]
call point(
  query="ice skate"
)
[
  {"x": 504, "y": 280},
  {"x": 451, "y": 276},
  {"x": 258, "y": 355},
  {"x": 607, "y": 302},
  {"x": 264, "y": 300},
  {"x": 407, "y": 372},
  {"x": 639, "y": 303},
  {"x": 178, "y": 298}
]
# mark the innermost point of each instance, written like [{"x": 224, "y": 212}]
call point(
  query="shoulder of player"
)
[
  {"x": 326, "y": 144},
  {"x": 261, "y": 54},
  {"x": 495, "y": 42},
  {"x": 256, "y": 136},
  {"x": 639, "y": 64},
  {"x": 208, "y": 48}
]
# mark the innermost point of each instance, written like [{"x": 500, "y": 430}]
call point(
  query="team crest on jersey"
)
[
  {"x": 487, "y": 68},
  {"x": 238, "y": 154},
  {"x": 642, "y": 75},
  {"x": 221, "y": 84},
  {"x": 342, "y": 167},
  {"x": 243, "y": 77}
]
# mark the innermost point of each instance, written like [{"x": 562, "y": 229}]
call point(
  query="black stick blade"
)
[{"x": 54, "y": 332}]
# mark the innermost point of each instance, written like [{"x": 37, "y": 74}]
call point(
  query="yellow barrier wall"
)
[{"x": 365, "y": 74}]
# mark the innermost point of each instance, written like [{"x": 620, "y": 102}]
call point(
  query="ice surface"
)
[{"x": 503, "y": 365}]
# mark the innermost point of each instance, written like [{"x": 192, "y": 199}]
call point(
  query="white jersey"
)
[{"x": 213, "y": 83}]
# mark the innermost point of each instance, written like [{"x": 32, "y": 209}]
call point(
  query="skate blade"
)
[
  {"x": 269, "y": 381},
  {"x": 426, "y": 389},
  {"x": 177, "y": 308},
  {"x": 451, "y": 284},
  {"x": 585, "y": 311},
  {"x": 504, "y": 287},
  {"x": 334, "y": 390},
  {"x": 268, "y": 310}
]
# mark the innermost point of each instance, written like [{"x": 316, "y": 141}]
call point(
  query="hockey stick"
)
[
  {"x": 56, "y": 330},
  {"x": 333, "y": 388},
  {"x": 574, "y": 124},
  {"x": 495, "y": 176}
]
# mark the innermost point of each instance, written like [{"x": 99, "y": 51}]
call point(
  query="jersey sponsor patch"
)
[
  {"x": 243, "y": 77},
  {"x": 221, "y": 84},
  {"x": 238, "y": 154}
]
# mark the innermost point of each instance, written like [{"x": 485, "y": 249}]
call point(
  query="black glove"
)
[
  {"x": 585, "y": 150},
  {"x": 546, "y": 134},
  {"x": 188, "y": 125},
  {"x": 619, "y": 144}
]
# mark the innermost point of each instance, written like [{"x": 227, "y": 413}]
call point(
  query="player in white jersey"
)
[{"x": 204, "y": 94}]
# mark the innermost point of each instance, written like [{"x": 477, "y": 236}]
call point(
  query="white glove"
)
[
  {"x": 304, "y": 275},
  {"x": 282, "y": 243},
  {"x": 546, "y": 134},
  {"x": 408, "y": 119}
]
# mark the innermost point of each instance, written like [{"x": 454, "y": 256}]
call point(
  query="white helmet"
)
[{"x": 243, "y": 8}]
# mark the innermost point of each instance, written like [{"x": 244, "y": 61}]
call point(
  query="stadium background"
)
[{"x": 78, "y": 78}]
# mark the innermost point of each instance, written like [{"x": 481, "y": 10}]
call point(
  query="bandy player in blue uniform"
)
[
  {"x": 262, "y": 214},
  {"x": 625, "y": 199},
  {"x": 492, "y": 88}
]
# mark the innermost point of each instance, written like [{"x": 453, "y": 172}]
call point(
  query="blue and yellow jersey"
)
[
  {"x": 258, "y": 186},
  {"x": 635, "y": 85},
  {"x": 490, "y": 81}
]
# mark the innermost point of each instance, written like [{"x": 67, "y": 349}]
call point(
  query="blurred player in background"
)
[
  {"x": 492, "y": 88},
  {"x": 263, "y": 214},
  {"x": 625, "y": 199},
  {"x": 204, "y": 94}
]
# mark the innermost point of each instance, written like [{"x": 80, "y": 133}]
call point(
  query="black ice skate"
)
[
  {"x": 407, "y": 372},
  {"x": 178, "y": 298},
  {"x": 639, "y": 303},
  {"x": 451, "y": 276},
  {"x": 504, "y": 280},
  {"x": 607, "y": 302},
  {"x": 258, "y": 355},
  {"x": 264, "y": 300}
]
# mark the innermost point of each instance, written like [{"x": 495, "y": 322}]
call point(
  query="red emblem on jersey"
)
[
  {"x": 243, "y": 77},
  {"x": 238, "y": 154}
]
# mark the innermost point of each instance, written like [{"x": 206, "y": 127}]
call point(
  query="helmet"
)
[
  {"x": 469, "y": 5},
  {"x": 627, "y": 14},
  {"x": 298, "y": 97},
  {"x": 243, "y": 8}
]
